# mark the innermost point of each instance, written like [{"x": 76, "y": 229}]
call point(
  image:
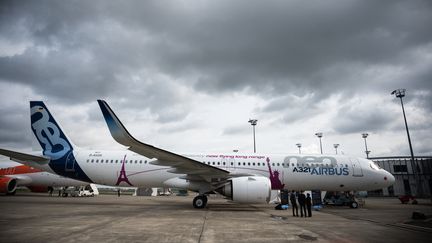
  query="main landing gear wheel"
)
[
  {"x": 353, "y": 205},
  {"x": 200, "y": 201}
]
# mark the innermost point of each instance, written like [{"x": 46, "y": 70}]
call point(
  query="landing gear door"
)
[{"x": 356, "y": 167}]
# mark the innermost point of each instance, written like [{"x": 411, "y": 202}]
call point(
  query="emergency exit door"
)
[{"x": 356, "y": 167}]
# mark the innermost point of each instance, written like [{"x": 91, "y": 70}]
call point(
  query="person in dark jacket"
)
[
  {"x": 309, "y": 205},
  {"x": 294, "y": 203},
  {"x": 302, "y": 202}
]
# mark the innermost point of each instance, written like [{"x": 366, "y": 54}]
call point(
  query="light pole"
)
[
  {"x": 336, "y": 145},
  {"x": 253, "y": 122},
  {"x": 299, "y": 147},
  {"x": 319, "y": 135},
  {"x": 400, "y": 93},
  {"x": 365, "y": 135}
]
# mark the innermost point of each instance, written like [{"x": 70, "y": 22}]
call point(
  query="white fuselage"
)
[
  {"x": 294, "y": 172},
  {"x": 44, "y": 178}
]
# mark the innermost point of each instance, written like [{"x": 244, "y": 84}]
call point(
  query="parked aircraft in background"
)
[
  {"x": 247, "y": 178},
  {"x": 34, "y": 179}
]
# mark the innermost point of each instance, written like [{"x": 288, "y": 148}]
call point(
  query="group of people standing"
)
[{"x": 304, "y": 201}]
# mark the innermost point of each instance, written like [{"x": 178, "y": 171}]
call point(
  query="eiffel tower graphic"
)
[{"x": 122, "y": 176}]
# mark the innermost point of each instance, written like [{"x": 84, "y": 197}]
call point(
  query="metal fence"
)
[{"x": 412, "y": 177}]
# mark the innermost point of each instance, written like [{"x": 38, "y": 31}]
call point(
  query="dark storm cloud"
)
[
  {"x": 363, "y": 118},
  {"x": 13, "y": 122},
  {"x": 275, "y": 46},
  {"x": 152, "y": 55}
]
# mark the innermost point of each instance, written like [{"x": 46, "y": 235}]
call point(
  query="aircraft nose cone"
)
[{"x": 389, "y": 178}]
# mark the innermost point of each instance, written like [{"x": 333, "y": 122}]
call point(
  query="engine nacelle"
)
[
  {"x": 247, "y": 189},
  {"x": 7, "y": 185}
]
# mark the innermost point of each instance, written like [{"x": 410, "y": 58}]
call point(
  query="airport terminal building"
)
[{"x": 408, "y": 175}]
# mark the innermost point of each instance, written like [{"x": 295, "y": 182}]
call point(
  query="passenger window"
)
[
  {"x": 145, "y": 162},
  {"x": 248, "y": 163},
  {"x": 92, "y": 160},
  {"x": 253, "y": 164},
  {"x": 223, "y": 163},
  {"x": 273, "y": 164},
  {"x": 88, "y": 161},
  {"x": 278, "y": 164},
  {"x": 213, "y": 163},
  {"x": 218, "y": 163},
  {"x": 244, "y": 163},
  {"x": 97, "y": 161},
  {"x": 116, "y": 161},
  {"x": 238, "y": 163},
  {"x": 232, "y": 163}
]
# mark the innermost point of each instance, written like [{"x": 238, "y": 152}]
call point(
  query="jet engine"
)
[
  {"x": 247, "y": 189},
  {"x": 8, "y": 185}
]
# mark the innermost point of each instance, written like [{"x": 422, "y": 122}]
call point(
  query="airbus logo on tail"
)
[{"x": 48, "y": 134}]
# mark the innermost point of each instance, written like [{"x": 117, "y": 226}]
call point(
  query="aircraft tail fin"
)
[{"x": 52, "y": 139}]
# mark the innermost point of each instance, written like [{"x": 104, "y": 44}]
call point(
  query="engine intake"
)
[
  {"x": 247, "y": 189},
  {"x": 7, "y": 185}
]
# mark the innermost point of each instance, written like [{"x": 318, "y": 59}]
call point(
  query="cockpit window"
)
[{"x": 374, "y": 166}]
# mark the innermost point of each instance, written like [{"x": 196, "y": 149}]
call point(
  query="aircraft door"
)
[
  {"x": 70, "y": 162},
  {"x": 357, "y": 170}
]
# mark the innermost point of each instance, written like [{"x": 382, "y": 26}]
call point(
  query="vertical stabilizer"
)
[
  {"x": 54, "y": 142},
  {"x": 50, "y": 136}
]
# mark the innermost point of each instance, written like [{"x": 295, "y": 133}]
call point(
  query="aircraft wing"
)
[
  {"x": 180, "y": 164},
  {"x": 23, "y": 158}
]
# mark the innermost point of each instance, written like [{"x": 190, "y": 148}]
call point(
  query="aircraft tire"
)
[
  {"x": 200, "y": 201},
  {"x": 353, "y": 205}
]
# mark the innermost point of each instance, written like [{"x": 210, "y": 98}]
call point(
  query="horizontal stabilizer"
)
[{"x": 24, "y": 158}]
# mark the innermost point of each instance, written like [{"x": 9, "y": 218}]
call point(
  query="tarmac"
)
[{"x": 31, "y": 217}]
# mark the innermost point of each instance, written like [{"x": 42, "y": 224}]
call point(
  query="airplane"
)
[
  {"x": 34, "y": 179},
  {"x": 246, "y": 178}
]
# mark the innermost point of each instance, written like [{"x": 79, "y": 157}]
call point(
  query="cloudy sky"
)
[{"x": 187, "y": 75}]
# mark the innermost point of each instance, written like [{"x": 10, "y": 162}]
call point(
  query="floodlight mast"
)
[
  {"x": 400, "y": 93},
  {"x": 253, "y": 122},
  {"x": 319, "y": 135},
  {"x": 299, "y": 147},
  {"x": 365, "y": 135},
  {"x": 336, "y": 145}
]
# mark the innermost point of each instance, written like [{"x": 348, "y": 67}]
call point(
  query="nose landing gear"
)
[{"x": 200, "y": 201}]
